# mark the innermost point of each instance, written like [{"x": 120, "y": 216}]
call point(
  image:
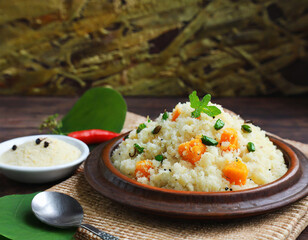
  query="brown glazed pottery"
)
[{"x": 111, "y": 183}]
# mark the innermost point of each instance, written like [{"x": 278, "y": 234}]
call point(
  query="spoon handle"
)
[{"x": 101, "y": 234}]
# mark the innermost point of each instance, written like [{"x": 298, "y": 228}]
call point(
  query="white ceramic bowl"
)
[{"x": 41, "y": 174}]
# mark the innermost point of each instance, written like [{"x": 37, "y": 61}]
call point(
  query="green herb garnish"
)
[
  {"x": 219, "y": 124},
  {"x": 159, "y": 158},
  {"x": 138, "y": 148},
  {"x": 165, "y": 116},
  {"x": 251, "y": 147},
  {"x": 51, "y": 124},
  {"x": 208, "y": 141},
  {"x": 202, "y": 106},
  {"x": 246, "y": 128},
  {"x": 141, "y": 126}
]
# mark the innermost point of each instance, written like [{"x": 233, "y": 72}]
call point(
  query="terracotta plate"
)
[{"x": 107, "y": 180}]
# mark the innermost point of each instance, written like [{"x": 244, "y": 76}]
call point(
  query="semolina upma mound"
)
[{"x": 199, "y": 147}]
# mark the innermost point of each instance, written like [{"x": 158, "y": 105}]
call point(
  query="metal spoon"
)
[{"x": 60, "y": 210}]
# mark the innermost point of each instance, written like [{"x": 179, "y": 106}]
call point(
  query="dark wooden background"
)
[{"x": 20, "y": 116}]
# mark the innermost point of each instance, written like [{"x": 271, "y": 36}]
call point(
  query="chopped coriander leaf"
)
[
  {"x": 149, "y": 120},
  {"x": 202, "y": 106},
  {"x": 159, "y": 158},
  {"x": 165, "y": 116},
  {"x": 251, "y": 147},
  {"x": 246, "y": 128},
  {"x": 208, "y": 141},
  {"x": 138, "y": 148},
  {"x": 219, "y": 124},
  {"x": 141, "y": 126}
]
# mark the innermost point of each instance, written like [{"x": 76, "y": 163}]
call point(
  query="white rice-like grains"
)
[
  {"x": 30, "y": 154},
  {"x": 265, "y": 165}
]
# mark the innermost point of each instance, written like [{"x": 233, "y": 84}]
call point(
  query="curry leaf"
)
[
  {"x": 19, "y": 223},
  {"x": 98, "y": 108}
]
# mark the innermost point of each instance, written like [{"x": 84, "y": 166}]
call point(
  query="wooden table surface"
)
[{"x": 20, "y": 116}]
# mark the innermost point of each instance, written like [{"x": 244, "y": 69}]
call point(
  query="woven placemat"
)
[{"x": 125, "y": 223}]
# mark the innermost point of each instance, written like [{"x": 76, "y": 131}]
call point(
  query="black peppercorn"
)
[
  {"x": 46, "y": 144},
  {"x": 38, "y": 141},
  {"x": 226, "y": 188},
  {"x": 14, "y": 147},
  {"x": 230, "y": 189}
]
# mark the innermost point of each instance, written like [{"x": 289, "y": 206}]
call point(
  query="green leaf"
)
[
  {"x": 212, "y": 111},
  {"x": 196, "y": 113},
  {"x": 3, "y": 238},
  {"x": 202, "y": 106},
  {"x": 19, "y": 223},
  {"x": 205, "y": 100},
  {"x": 194, "y": 100},
  {"x": 98, "y": 108}
]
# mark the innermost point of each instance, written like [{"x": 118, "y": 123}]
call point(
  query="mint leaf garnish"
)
[
  {"x": 194, "y": 100},
  {"x": 202, "y": 106}
]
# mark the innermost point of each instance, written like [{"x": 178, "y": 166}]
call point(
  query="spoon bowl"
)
[
  {"x": 57, "y": 209},
  {"x": 62, "y": 211}
]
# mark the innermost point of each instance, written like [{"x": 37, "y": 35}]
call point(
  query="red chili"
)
[{"x": 93, "y": 135}]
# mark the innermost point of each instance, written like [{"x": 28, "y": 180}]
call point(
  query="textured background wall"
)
[{"x": 147, "y": 47}]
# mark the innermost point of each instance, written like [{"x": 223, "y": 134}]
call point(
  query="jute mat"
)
[{"x": 125, "y": 223}]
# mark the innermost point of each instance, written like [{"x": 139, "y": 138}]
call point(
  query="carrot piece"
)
[
  {"x": 175, "y": 114},
  {"x": 229, "y": 135},
  {"x": 142, "y": 168},
  {"x": 191, "y": 151},
  {"x": 236, "y": 172}
]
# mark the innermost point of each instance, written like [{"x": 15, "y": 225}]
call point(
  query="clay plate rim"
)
[
  {"x": 292, "y": 172},
  {"x": 109, "y": 182}
]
